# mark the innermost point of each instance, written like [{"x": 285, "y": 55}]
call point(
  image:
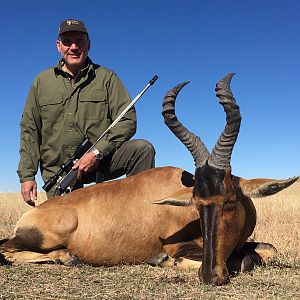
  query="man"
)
[{"x": 71, "y": 101}]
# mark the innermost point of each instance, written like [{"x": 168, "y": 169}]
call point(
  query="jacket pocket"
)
[
  {"x": 51, "y": 108},
  {"x": 92, "y": 105}
]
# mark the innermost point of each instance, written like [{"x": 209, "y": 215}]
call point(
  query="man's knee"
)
[
  {"x": 143, "y": 157},
  {"x": 144, "y": 147}
]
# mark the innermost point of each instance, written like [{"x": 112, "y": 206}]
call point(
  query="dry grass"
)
[
  {"x": 278, "y": 223},
  {"x": 11, "y": 209}
]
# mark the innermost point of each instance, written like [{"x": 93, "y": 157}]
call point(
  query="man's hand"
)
[
  {"x": 85, "y": 164},
  {"x": 29, "y": 192}
]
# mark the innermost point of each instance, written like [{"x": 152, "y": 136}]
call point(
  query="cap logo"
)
[
  {"x": 71, "y": 25},
  {"x": 74, "y": 22}
]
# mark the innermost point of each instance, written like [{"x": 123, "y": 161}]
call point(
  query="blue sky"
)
[{"x": 200, "y": 41}]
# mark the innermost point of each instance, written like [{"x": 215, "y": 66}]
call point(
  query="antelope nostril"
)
[
  {"x": 220, "y": 278},
  {"x": 217, "y": 277},
  {"x": 216, "y": 280}
]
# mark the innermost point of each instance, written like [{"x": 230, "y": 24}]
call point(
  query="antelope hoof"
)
[
  {"x": 4, "y": 261},
  {"x": 157, "y": 260},
  {"x": 247, "y": 264},
  {"x": 73, "y": 262}
]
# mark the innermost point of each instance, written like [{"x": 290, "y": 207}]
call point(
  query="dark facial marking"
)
[
  {"x": 208, "y": 216},
  {"x": 209, "y": 182}
]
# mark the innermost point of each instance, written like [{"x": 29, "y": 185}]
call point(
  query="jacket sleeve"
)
[
  {"x": 30, "y": 138},
  {"x": 118, "y": 100}
]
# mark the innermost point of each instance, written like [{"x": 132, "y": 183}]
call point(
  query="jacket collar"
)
[{"x": 58, "y": 69}]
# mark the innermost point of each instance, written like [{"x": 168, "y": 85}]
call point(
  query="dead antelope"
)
[{"x": 122, "y": 222}]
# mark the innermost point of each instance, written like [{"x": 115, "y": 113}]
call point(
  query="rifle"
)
[{"x": 66, "y": 183}]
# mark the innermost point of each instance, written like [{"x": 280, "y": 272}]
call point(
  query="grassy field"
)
[{"x": 278, "y": 223}]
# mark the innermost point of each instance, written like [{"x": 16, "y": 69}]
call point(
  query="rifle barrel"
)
[{"x": 151, "y": 82}]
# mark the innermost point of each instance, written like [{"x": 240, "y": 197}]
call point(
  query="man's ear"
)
[
  {"x": 58, "y": 45},
  {"x": 89, "y": 43}
]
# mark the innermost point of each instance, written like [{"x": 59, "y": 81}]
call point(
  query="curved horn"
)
[
  {"x": 191, "y": 141},
  {"x": 221, "y": 154}
]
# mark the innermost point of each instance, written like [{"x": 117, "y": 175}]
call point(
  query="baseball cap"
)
[{"x": 71, "y": 25}]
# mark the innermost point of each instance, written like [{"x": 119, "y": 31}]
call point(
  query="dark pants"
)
[{"x": 133, "y": 157}]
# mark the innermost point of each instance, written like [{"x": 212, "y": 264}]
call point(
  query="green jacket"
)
[{"x": 60, "y": 112}]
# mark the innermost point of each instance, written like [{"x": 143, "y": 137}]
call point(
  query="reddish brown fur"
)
[{"x": 115, "y": 222}]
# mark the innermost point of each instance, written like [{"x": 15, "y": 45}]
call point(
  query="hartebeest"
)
[{"x": 122, "y": 221}]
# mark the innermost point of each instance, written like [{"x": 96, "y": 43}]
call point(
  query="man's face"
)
[{"x": 74, "y": 47}]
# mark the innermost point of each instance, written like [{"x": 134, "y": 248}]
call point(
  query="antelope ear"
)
[
  {"x": 181, "y": 198},
  {"x": 261, "y": 187}
]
